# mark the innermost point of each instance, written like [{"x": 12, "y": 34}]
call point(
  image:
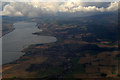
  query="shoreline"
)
[
  {"x": 27, "y": 47},
  {"x": 8, "y": 32}
]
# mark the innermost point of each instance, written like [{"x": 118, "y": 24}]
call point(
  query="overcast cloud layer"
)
[{"x": 36, "y": 9}]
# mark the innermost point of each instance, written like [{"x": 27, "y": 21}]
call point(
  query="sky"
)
[
  {"x": 59, "y": 0},
  {"x": 70, "y": 8}
]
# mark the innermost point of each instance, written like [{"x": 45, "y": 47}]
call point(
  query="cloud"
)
[
  {"x": 36, "y": 9},
  {"x": 113, "y": 6},
  {"x": 59, "y": 0}
]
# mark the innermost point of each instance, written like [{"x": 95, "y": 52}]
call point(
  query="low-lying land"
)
[{"x": 82, "y": 50}]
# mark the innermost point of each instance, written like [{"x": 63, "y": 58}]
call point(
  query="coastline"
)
[
  {"x": 10, "y": 30},
  {"x": 26, "y": 47}
]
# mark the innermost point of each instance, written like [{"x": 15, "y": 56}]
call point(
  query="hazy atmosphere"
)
[{"x": 60, "y": 40}]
